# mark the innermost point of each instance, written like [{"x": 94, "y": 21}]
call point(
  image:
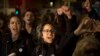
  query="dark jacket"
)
[
  {"x": 64, "y": 48},
  {"x": 67, "y": 45},
  {"x": 93, "y": 14},
  {"x": 32, "y": 35},
  {"x": 44, "y": 50},
  {"x": 21, "y": 47},
  {"x": 65, "y": 25}
]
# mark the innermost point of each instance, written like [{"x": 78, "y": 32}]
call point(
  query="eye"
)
[
  {"x": 18, "y": 22},
  {"x": 52, "y": 31},
  {"x": 27, "y": 15},
  {"x": 11, "y": 22},
  {"x": 45, "y": 30}
]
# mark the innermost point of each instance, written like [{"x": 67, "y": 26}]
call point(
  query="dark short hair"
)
[
  {"x": 28, "y": 10},
  {"x": 9, "y": 18}
]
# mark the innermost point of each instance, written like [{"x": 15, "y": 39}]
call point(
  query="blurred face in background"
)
[
  {"x": 48, "y": 33},
  {"x": 87, "y": 47},
  {"x": 86, "y": 5},
  {"x": 28, "y": 18},
  {"x": 14, "y": 25}
]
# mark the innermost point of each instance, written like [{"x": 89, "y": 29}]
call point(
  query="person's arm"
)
[
  {"x": 71, "y": 38},
  {"x": 82, "y": 28}
]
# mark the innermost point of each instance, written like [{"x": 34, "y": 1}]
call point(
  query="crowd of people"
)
[{"x": 53, "y": 34}]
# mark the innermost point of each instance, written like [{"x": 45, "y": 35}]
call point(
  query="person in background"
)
[
  {"x": 89, "y": 10},
  {"x": 65, "y": 20},
  {"x": 66, "y": 24},
  {"x": 16, "y": 43},
  {"x": 97, "y": 7},
  {"x": 29, "y": 25},
  {"x": 88, "y": 46},
  {"x": 89, "y": 42}
]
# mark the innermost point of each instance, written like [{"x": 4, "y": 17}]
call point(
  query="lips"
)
[
  {"x": 28, "y": 19},
  {"x": 14, "y": 29},
  {"x": 50, "y": 38}
]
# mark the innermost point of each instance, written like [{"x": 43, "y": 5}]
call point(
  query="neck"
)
[
  {"x": 28, "y": 27},
  {"x": 14, "y": 37}
]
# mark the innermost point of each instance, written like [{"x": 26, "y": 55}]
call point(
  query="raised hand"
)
[
  {"x": 59, "y": 11},
  {"x": 85, "y": 26},
  {"x": 12, "y": 54},
  {"x": 66, "y": 10}
]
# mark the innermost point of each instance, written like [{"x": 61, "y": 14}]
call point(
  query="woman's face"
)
[
  {"x": 14, "y": 25},
  {"x": 48, "y": 33},
  {"x": 28, "y": 18}
]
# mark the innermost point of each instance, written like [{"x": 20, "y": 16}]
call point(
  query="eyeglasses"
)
[{"x": 52, "y": 31}]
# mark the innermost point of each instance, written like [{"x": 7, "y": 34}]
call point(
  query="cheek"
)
[
  {"x": 44, "y": 35},
  {"x": 25, "y": 18},
  {"x": 19, "y": 27},
  {"x": 53, "y": 35},
  {"x": 10, "y": 27}
]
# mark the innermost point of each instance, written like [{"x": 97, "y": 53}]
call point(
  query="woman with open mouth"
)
[{"x": 16, "y": 42}]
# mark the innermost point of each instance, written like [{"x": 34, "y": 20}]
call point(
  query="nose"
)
[
  {"x": 29, "y": 16},
  {"x": 15, "y": 24},
  {"x": 50, "y": 33}
]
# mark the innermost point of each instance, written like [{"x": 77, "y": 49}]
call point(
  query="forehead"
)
[
  {"x": 28, "y": 12},
  {"x": 14, "y": 19},
  {"x": 47, "y": 26}
]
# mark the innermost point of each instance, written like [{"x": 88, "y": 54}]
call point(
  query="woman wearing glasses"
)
[
  {"x": 50, "y": 44},
  {"x": 46, "y": 36}
]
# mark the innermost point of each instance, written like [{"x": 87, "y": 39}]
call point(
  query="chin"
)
[
  {"x": 49, "y": 42},
  {"x": 15, "y": 33},
  {"x": 28, "y": 22}
]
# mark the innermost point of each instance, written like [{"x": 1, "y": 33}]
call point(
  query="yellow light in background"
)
[{"x": 51, "y": 4}]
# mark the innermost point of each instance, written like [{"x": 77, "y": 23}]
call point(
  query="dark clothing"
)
[
  {"x": 56, "y": 49},
  {"x": 97, "y": 35},
  {"x": 67, "y": 45},
  {"x": 71, "y": 24},
  {"x": 21, "y": 47},
  {"x": 32, "y": 35},
  {"x": 93, "y": 14},
  {"x": 44, "y": 50},
  {"x": 65, "y": 25}
]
